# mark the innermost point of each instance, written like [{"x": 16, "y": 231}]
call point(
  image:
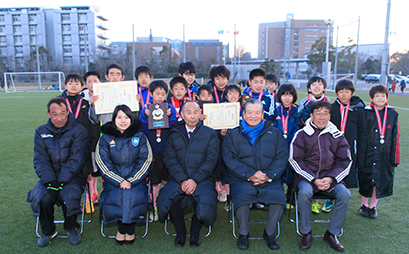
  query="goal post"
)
[{"x": 33, "y": 81}]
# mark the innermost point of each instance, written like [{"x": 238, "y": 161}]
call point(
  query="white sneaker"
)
[
  {"x": 222, "y": 196},
  {"x": 259, "y": 206}
]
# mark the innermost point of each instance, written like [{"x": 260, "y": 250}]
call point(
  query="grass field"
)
[{"x": 21, "y": 113}]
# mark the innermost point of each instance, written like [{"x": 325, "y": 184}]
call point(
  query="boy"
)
[
  {"x": 233, "y": 93},
  {"x": 348, "y": 115},
  {"x": 188, "y": 71},
  {"x": 159, "y": 174},
  {"x": 90, "y": 78},
  {"x": 271, "y": 84},
  {"x": 257, "y": 90},
  {"x": 316, "y": 87},
  {"x": 144, "y": 77},
  {"x": 178, "y": 88},
  {"x": 205, "y": 95},
  {"x": 382, "y": 153},
  {"x": 219, "y": 77},
  {"x": 79, "y": 108}
]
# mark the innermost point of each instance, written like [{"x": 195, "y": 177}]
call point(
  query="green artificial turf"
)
[{"x": 21, "y": 113}]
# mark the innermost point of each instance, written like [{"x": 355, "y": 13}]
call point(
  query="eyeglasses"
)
[{"x": 326, "y": 113}]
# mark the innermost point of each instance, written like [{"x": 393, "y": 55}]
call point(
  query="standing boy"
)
[
  {"x": 348, "y": 115},
  {"x": 258, "y": 90},
  {"x": 382, "y": 153},
  {"x": 144, "y": 77},
  {"x": 178, "y": 88},
  {"x": 271, "y": 84},
  {"x": 188, "y": 71},
  {"x": 219, "y": 77},
  {"x": 159, "y": 173}
]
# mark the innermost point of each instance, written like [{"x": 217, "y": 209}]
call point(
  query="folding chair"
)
[
  {"x": 320, "y": 196},
  {"x": 174, "y": 234},
  {"x": 251, "y": 222},
  {"x": 146, "y": 221},
  {"x": 81, "y": 222}
]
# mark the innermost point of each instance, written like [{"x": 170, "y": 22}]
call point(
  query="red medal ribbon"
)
[
  {"x": 284, "y": 119},
  {"x": 259, "y": 97},
  {"x": 173, "y": 101},
  {"x": 382, "y": 127},
  {"x": 158, "y": 132},
  {"x": 148, "y": 97},
  {"x": 344, "y": 116},
  {"x": 193, "y": 98},
  {"x": 217, "y": 95},
  {"x": 78, "y": 107}
]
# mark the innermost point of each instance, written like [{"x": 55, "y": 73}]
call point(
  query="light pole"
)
[
  {"x": 38, "y": 59},
  {"x": 133, "y": 51},
  {"x": 356, "y": 52},
  {"x": 326, "y": 66},
  {"x": 385, "y": 52}
]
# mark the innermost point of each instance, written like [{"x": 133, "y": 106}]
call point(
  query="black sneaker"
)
[
  {"x": 363, "y": 211},
  {"x": 73, "y": 236},
  {"x": 243, "y": 242},
  {"x": 44, "y": 240},
  {"x": 271, "y": 241},
  {"x": 180, "y": 241},
  {"x": 372, "y": 213}
]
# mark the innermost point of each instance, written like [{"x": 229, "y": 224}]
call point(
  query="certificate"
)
[
  {"x": 113, "y": 94},
  {"x": 222, "y": 115}
]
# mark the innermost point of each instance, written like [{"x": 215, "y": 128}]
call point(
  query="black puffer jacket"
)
[
  {"x": 268, "y": 154},
  {"x": 191, "y": 159},
  {"x": 120, "y": 157},
  {"x": 60, "y": 155}
]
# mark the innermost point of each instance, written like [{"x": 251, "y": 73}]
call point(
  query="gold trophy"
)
[{"x": 244, "y": 99}]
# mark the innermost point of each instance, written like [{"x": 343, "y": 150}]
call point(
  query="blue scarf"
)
[{"x": 252, "y": 132}]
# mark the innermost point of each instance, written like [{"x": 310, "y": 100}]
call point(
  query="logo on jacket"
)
[
  {"x": 389, "y": 127},
  {"x": 135, "y": 142},
  {"x": 112, "y": 143},
  {"x": 47, "y": 135}
]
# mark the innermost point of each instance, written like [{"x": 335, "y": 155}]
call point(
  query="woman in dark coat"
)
[{"x": 124, "y": 157}]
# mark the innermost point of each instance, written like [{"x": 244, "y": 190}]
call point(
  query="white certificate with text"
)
[{"x": 222, "y": 115}]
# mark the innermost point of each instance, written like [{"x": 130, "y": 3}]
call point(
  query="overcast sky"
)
[{"x": 203, "y": 19}]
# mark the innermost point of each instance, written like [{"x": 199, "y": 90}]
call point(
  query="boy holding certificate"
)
[{"x": 157, "y": 137}]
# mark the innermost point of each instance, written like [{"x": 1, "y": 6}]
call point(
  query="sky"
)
[{"x": 203, "y": 19}]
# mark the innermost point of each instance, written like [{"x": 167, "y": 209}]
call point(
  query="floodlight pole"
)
[
  {"x": 86, "y": 48},
  {"x": 356, "y": 52},
  {"x": 184, "y": 46},
  {"x": 336, "y": 59},
  {"x": 133, "y": 52},
  {"x": 385, "y": 52},
  {"x": 38, "y": 60},
  {"x": 234, "y": 69}
]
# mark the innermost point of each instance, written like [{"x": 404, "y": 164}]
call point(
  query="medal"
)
[
  {"x": 158, "y": 132},
  {"x": 77, "y": 112},
  {"x": 344, "y": 116},
  {"x": 158, "y": 140},
  {"x": 216, "y": 95},
  {"x": 285, "y": 135},
  {"x": 284, "y": 120},
  {"x": 148, "y": 96},
  {"x": 382, "y": 126},
  {"x": 177, "y": 109}
]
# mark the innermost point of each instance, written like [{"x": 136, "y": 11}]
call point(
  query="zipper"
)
[{"x": 319, "y": 148}]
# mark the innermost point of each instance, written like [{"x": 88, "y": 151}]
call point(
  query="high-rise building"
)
[
  {"x": 69, "y": 34},
  {"x": 295, "y": 37}
]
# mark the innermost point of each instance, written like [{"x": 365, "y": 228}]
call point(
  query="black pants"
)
[
  {"x": 47, "y": 215},
  {"x": 178, "y": 219},
  {"x": 126, "y": 228}
]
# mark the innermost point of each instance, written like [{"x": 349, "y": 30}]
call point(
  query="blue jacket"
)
[
  {"x": 293, "y": 121},
  {"x": 195, "y": 158},
  {"x": 157, "y": 147},
  {"x": 60, "y": 154},
  {"x": 120, "y": 157},
  {"x": 267, "y": 100},
  {"x": 305, "y": 107},
  {"x": 268, "y": 154},
  {"x": 220, "y": 94}
]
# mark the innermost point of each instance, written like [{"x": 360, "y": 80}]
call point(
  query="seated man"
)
[
  {"x": 256, "y": 154},
  {"x": 61, "y": 150},
  {"x": 191, "y": 153},
  {"x": 320, "y": 157}
]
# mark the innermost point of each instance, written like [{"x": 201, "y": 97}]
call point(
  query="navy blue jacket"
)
[
  {"x": 195, "y": 158},
  {"x": 267, "y": 100},
  {"x": 60, "y": 155},
  {"x": 268, "y": 154},
  {"x": 120, "y": 157}
]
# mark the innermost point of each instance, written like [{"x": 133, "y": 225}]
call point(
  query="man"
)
[
  {"x": 255, "y": 154},
  {"x": 321, "y": 159},
  {"x": 191, "y": 153},
  {"x": 61, "y": 150}
]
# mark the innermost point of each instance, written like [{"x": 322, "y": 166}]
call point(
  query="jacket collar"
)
[{"x": 310, "y": 129}]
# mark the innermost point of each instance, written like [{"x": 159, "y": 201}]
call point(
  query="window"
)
[
  {"x": 17, "y": 29},
  {"x": 3, "y": 39},
  {"x": 295, "y": 37},
  {"x": 16, "y": 18},
  {"x": 66, "y": 28},
  {"x": 82, "y": 18},
  {"x": 311, "y": 36},
  {"x": 65, "y": 17},
  {"x": 307, "y": 48},
  {"x": 296, "y": 50},
  {"x": 295, "y": 56},
  {"x": 67, "y": 60},
  {"x": 296, "y": 31},
  {"x": 33, "y": 49},
  {"x": 67, "y": 49},
  {"x": 18, "y": 50},
  {"x": 82, "y": 38},
  {"x": 82, "y": 28},
  {"x": 32, "y": 29},
  {"x": 18, "y": 39},
  {"x": 3, "y": 51},
  {"x": 2, "y": 29},
  {"x": 32, "y": 18},
  {"x": 309, "y": 42},
  {"x": 82, "y": 49},
  {"x": 66, "y": 38},
  {"x": 296, "y": 43},
  {"x": 19, "y": 61},
  {"x": 1, "y": 18},
  {"x": 32, "y": 39},
  {"x": 82, "y": 60}
]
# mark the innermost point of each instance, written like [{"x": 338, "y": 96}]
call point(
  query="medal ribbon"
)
[
  {"x": 173, "y": 100},
  {"x": 148, "y": 97},
  {"x": 382, "y": 127},
  {"x": 78, "y": 107},
  {"x": 344, "y": 116},
  {"x": 158, "y": 132},
  {"x": 284, "y": 119},
  {"x": 193, "y": 98},
  {"x": 259, "y": 97},
  {"x": 217, "y": 95}
]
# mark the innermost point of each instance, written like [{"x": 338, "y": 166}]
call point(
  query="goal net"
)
[{"x": 33, "y": 81}]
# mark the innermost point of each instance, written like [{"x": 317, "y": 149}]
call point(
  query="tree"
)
[
  {"x": 371, "y": 66},
  {"x": 45, "y": 60},
  {"x": 318, "y": 52},
  {"x": 268, "y": 66},
  {"x": 400, "y": 62},
  {"x": 346, "y": 59}
]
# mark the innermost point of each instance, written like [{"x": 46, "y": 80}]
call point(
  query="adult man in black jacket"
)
[
  {"x": 190, "y": 155},
  {"x": 255, "y": 154},
  {"x": 61, "y": 150}
]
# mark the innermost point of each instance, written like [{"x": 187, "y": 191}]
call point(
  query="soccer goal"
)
[{"x": 33, "y": 81}]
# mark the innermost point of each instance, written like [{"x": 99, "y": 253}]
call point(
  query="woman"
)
[{"x": 124, "y": 156}]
